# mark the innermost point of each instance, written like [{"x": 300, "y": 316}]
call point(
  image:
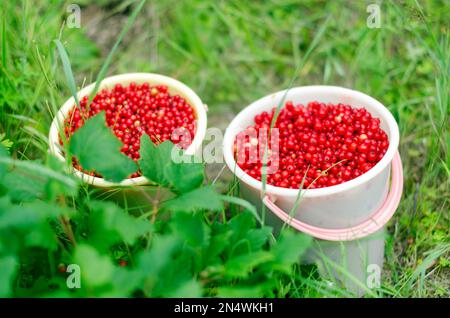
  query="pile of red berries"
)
[
  {"x": 325, "y": 143},
  {"x": 134, "y": 110}
]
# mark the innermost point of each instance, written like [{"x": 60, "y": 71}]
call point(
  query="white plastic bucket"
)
[
  {"x": 335, "y": 207},
  {"x": 348, "y": 219},
  {"x": 174, "y": 87}
]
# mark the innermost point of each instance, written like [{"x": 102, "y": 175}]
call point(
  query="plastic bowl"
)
[{"x": 174, "y": 86}]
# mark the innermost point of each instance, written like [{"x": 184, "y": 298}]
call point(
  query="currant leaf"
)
[
  {"x": 204, "y": 198},
  {"x": 157, "y": 165},
  {"x": 96, "y": 148}
]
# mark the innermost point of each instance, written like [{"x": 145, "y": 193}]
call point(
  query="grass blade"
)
[
  {"x": 4, "y": 42},
  {"x": 243, "y": 203},
  {"x": 108, "y": 59},
  {"x": 310, "y": 49},
  {"x": 67, "y": 70}
]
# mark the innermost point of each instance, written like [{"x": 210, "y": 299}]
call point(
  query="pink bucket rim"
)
[{"x": 377, "y": 221}]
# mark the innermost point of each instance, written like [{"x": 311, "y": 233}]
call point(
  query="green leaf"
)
[
  {"x": 124, "y": 282},
  {"x": 3, "y": 167},
  {"x": 154, "y": 160},
  {"x": 188, "y": 289},
  {"x": 55, "y": 187},
  {"x": 22, "y": 187},
  {"x": 288, "y": 249},
  {"x": 245, "y": 238},
  {"x": 185, "y": 176},
  {"x": 172, "y": 277},
  {"x": 28, "y": 224},
  {"x": 34, "y": 180},
  {"x": 258, "y": 237},
  {"x": 205, "y": 198},
  {"x": 241, "y": 266},
  {"x": 240, "y": 225},
  {"x": 153, "y": 263},
  {"x": 220, "y": 239},
  {"x": 6, "y": 142},
  {"x": 39, "y": 171},
  {"x": 40, "y": 288},
  {"x": 15, "y": 215},
  {"x": 109, "y": 224},
  {"x": 240, "y": 291},
  {"x": 41, "y": 235},
  {"x": 8, "y": 268},
  {"x": 157, "y": 165},
  {"x": 26, "y": 215},
  {"x": 247, "y": 205},
  {"x": 96, "y": 269},
  {"x": 191, "y": 229},
  {"x": 96, "y": 148},
  {"x": 159, "y": 255}
]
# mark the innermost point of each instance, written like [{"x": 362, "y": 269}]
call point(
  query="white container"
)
[
  {"x": 348, "y": 219},
  {"x": 174, "y": 87},
  {"x": 341, "y": 206},
  {"x": 352, "y": 257}
]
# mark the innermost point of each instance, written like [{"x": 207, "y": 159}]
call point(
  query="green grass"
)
[{"x": 233, "y": 52}]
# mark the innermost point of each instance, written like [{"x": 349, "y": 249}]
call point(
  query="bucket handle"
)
[{"x": 372, "y": 225}]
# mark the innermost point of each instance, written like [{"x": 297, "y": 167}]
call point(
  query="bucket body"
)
[
  {"x": 355, "y": 265},
  {"x": 137, "y": 191}
]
